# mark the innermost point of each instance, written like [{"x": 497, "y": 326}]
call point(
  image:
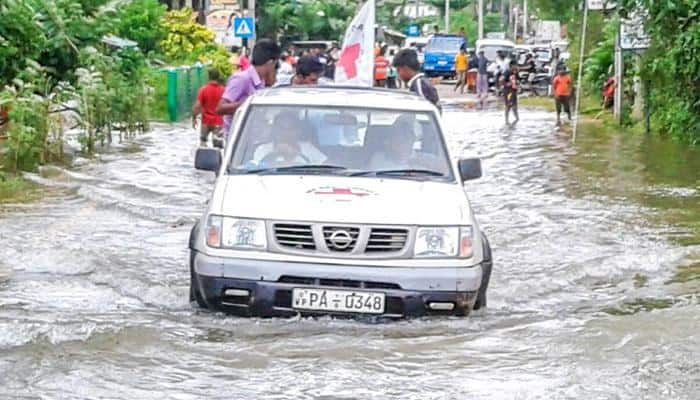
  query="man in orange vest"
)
[
  {"x": 561, "y": 85},
  {"x": 381, "y": 68}
]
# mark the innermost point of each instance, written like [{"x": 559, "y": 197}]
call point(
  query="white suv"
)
[{"x": 338, "y": 201}]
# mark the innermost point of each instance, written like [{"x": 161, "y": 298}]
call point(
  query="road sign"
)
[
  {"x": 413, "y": 30},
  {"x": 598, "y": 5},
  {"x": 633, "y": 35},
  {"x": 244, "y": 27}
]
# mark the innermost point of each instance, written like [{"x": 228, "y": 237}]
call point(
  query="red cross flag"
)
[{"x": 356, "y": 63}]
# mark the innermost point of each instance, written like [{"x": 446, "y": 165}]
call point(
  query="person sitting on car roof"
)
[
  {"x": 287, "y": 146},
  {"x": 309, "y": 70},
  {"x": 408, "y": 69}
]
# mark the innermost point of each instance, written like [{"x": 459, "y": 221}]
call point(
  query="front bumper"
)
[{"x": 409, "y": 291}]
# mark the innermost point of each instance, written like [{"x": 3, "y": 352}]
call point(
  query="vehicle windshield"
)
[
  {"x": 491, "y": 51},
  {"x": 340, "y": 140},
  {"x": 542, "y": 54},
  {"x": 444, "y": 45}
]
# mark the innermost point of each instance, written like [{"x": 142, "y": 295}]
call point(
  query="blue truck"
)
[{"x": 440, "y": 54}]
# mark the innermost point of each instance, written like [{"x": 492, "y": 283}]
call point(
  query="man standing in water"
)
[
  {"x": 482, "y": 79},
  {"x": 241, "y": 85},
  {"x": 407, "y": 67},
  {"x": 561, "y": 85}
]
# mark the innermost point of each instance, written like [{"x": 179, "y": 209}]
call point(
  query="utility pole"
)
[
  {"x": 481, "y": 19},
  {"x": 447, "y": 16},
  {"x": 515, "y": 24},
  {"x": 580, "y": 67},
  {"x": 525, "y": 22},
  {"x": 251, "y": 13},
  {"x": 417, "y": 9}
]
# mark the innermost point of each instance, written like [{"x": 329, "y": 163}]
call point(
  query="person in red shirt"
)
[
  {"x": 207, "y": 100},
  {"x": 381, "y": 68},
  {"x": 561, "y": 85}
]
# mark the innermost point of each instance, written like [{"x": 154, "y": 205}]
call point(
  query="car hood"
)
[{"x": 343, "y": 199}]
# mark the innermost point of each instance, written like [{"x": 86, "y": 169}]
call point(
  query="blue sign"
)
[
  {"x": 413, "y": 30},
  {"x": 243, "y": 27}
]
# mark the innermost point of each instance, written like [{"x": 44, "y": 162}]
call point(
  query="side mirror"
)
[
  {"x": 207, "y": 159},
  {"x": 469, "y": 169}
]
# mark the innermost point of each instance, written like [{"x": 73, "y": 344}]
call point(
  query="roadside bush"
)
[
  {"x": 183, "y": 35},
  {"x": 140, "y": 21},
  {"x": 34, "y": 134}
]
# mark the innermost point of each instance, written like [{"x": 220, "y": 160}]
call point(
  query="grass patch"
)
[
  {"x": 15, "y": 189},
  {"x": 546, "y": 103}
]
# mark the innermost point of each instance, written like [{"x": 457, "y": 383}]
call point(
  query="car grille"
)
[
  {"x": 340, "y": 239},
  {"x": 295, "y": 236},
  {"x": 386, "y": 240}
]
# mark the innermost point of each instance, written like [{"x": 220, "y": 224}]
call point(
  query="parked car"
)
[
  {"x": 440, "y": 55},
  {"x": 342, "y": 201},
  {"x": 492, "y": 47}
]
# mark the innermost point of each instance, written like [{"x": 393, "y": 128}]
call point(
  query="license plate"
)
[
  {"x": 338, "y": 300},
  {"x": 443, "y": 62}
]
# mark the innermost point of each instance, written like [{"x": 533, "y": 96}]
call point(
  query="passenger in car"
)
[
  {"x": 287, "y": 146},
  {"x": 398, "y": 149}
]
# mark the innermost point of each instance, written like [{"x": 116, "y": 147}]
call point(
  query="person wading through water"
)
[
  {"x": 208, "y": 99},
  {"x": 561, "y": 85},
  {"x": 510, "y": 91}
]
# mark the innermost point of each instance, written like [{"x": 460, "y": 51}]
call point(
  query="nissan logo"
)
[{"x": 340, "y": 239}]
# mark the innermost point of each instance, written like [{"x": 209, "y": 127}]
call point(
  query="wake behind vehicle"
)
[
  {"x": 440, "y": 55},
  {"x": 338, "y": 201}
]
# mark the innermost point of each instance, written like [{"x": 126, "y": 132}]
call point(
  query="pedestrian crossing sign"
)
[{"x": 243, "y": 27}]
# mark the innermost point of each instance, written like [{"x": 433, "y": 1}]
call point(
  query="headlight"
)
[
  {"x": 443, "y": 242},
  {"x": 236, "y": 233}
]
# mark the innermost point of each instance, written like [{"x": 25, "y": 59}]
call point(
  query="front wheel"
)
[
  {"x": 195, "y": 294},
  {"x": 487, "y": 266}
]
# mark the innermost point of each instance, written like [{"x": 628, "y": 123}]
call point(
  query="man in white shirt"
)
[{"x": 287, "y": 146}]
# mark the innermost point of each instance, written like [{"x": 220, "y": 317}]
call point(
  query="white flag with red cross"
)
[{"x": 355, "y": 65}]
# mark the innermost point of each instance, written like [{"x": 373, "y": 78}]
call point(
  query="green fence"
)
[{"x": 181, "y": 84}]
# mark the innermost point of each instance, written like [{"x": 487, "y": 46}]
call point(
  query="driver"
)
[{"x": 287, "y": 146}]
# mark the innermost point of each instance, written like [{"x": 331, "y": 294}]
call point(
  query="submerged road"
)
[{"x": 593, "y": 295}]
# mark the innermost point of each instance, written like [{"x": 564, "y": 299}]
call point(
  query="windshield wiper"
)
[
  {"x": 291, "y": 168},
  {"x": 402, "y": 172}
]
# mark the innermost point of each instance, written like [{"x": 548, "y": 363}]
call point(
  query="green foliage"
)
[
  {"x": 139, "y": 21},
  {"x": 183, "y": 35},
  {"x": 493, "y": 23},
  {"x": 672, "y": 66},
  {"x": 312, "y": 19},
  {"x": 187, "y": 42},
  {"x": 33, "y": 135},
  {"x": 21, "y": 38},
  {"x": 600, "y": 58},
  {"x": 464, "y": 19},
  {"x": 51, "y": 60}
]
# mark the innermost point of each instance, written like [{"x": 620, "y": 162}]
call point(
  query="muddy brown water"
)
[{"x": 594, "y": 291}]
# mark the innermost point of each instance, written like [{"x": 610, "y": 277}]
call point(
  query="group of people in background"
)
[{"x": 217, "y": 103}]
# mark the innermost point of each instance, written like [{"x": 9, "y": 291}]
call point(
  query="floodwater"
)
[{"x": 594, "y": 292}]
